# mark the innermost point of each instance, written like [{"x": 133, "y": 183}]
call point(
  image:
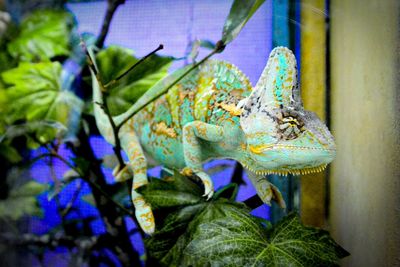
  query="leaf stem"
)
[
  {"x": 218, "y": 49},
  {"x": 112, "y": 82}
]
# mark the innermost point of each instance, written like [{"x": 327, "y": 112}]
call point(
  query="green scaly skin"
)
[{"x": 214, "y": 112}]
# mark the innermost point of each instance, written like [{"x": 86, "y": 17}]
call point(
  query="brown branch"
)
[{"x": 111, "y": 8}]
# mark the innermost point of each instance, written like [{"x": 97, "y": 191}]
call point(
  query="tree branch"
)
[{"x": 111, "y": 8}]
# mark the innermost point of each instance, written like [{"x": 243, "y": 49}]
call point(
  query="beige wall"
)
[{"x": 365, "y": 182}]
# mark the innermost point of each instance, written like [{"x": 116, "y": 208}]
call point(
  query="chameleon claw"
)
[
  {"x": 277, "y": 196},
  {"x": 123, "y": 174},
  {"x": 208, "y": 184},
  {"x": 269, "y": 192},
  {"x": 208, "y": 194}
]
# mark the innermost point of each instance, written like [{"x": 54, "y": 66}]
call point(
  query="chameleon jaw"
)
[{"x": 286, "y": 172}]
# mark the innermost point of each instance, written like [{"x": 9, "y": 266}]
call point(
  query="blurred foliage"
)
[
  {"x": 36, "y": 93},
  {"x": 43, "y": 34},
  {"x": 22, "y": 196}
]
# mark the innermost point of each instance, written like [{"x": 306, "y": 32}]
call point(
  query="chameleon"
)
[{"x": 214, "y": 112}]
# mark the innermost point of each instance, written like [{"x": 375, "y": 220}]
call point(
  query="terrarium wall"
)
[{"x": 365, "y": 186}]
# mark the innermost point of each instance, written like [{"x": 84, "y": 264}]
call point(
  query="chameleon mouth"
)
[{"x": 286, "y": 172}]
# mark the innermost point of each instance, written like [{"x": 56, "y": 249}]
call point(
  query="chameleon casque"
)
[{"x": 214, "y": 112}]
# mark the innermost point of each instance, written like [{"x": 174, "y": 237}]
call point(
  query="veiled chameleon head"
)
[{"x": 282, "y": 137}]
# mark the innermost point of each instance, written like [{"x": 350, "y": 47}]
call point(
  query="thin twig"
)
[
  {"x": 83, "y": 176},
  {"x": 133, "y": 66},
  {"x": 70, "y": 204},
  {"x": 218, "y": 49}
]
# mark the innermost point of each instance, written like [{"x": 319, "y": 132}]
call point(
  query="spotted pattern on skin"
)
[{"x": 162, "y": 129}]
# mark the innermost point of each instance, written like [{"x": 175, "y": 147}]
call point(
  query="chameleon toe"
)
[{"x": 145, "y": 217}]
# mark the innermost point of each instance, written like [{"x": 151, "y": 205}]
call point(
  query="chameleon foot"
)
[
  {"x": 122, "y": 174},
  {"x": 208, "y": 184},
  {"x": 268, "y": 191},
  {"x": 144, "y": 215}
]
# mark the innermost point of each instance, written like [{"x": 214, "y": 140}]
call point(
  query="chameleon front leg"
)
[
  {"x": 266, "y": 190},
  {"x": 193, "y": 132},
  {"x": 138, "y": 164}
]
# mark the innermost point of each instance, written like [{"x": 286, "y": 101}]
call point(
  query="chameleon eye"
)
[{"x": 289, "y": 126}]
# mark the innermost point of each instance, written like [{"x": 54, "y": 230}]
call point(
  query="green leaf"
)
[
  {"x": 114, "y": 61},
  {"x": 179, "y": 208},
  {"x": 243, "y": 241},
  {"x": 37, "y": 95},
  {"x": 10, "y": 153},
  {"x": 241, "y": 11},
  {"x": 22, "y": 201},
  {"x": 44, "y": 34},
  {"x": 191, "y": 231},
  {"x": 229, "y": 191},
  {"x": 162, "y": 194}
]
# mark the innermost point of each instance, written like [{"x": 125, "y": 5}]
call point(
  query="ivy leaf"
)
[
  {"x": 37, "y": 95},
  {"x": 114, "y": 60},
  {"x": 22, "y": 201},
  {"x": 191, "y": 231},
  {"x": 179, "y": 208},
  {"x": 164, "y": 194},
  {"x": 243, "y": 241},
  {"x": 44, "y": 34},
  {"x": 241, "y": 11}
]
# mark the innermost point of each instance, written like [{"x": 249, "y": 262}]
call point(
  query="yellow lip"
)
[
  {"x": 259, "y": 149},
  {"x": 286, "y": 172}
]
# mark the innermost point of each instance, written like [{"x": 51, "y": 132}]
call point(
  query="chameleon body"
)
[{"x": 214, "y": 112}]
